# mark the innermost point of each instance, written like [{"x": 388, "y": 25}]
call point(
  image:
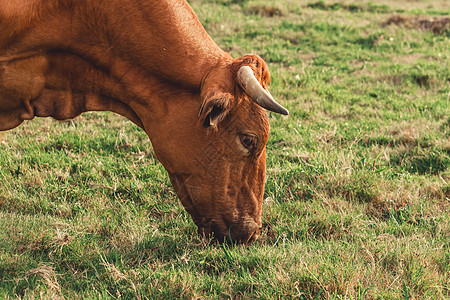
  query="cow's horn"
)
[{"x": 248, "y": 82}]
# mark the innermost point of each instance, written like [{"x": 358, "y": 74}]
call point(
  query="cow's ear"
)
[{"x": 214, "y": 109}]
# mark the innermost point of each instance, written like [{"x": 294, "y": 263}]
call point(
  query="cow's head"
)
[{"x": 215, "y": 152}]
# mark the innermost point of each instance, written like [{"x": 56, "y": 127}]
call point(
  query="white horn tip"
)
[{"x": 256, "y": 92}]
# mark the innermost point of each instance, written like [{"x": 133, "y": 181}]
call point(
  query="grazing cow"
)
[{"x": 152, "y": 62}]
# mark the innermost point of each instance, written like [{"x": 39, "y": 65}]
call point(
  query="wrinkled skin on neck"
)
[{"x": 164, "y": 74}]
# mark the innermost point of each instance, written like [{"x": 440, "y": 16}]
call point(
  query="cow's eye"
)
[{"x": 248, "y": 141}]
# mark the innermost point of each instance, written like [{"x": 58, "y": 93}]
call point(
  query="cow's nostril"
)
[
  {"x": 245, "y": 231},
  {"x": 254, "y": 236}
]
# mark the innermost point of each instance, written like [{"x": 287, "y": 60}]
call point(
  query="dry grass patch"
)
[
  {"x": 117, "y": 276},
  {"x": 48, "y": 274}
]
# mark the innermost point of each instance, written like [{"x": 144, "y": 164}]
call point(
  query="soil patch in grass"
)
[
  {"x": 437, "y": 25},
  {"x": 264, "y": 10},
  {"x": 353, "y": 7}
]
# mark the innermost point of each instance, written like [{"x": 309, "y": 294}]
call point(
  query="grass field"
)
[{"x": 357, "y": 200}]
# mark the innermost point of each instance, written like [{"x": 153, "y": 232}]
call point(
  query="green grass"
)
[{"x": 357, "y": 201}]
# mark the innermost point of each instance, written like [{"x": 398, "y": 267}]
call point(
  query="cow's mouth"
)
[{"x": 243, "y": 232}]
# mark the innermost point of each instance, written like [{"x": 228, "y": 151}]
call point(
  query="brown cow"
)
[{"x": 152, "y": 62}]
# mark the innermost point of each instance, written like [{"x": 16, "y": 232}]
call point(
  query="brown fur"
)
[{"x": 152, "y": 62}]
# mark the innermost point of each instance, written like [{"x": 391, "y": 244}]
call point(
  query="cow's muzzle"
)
[{"x": 245, "y": 231}]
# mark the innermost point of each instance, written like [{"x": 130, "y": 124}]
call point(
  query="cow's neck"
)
[
  {"x": 164, "y": 38},
  {"x": 131, "y": 52}
]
